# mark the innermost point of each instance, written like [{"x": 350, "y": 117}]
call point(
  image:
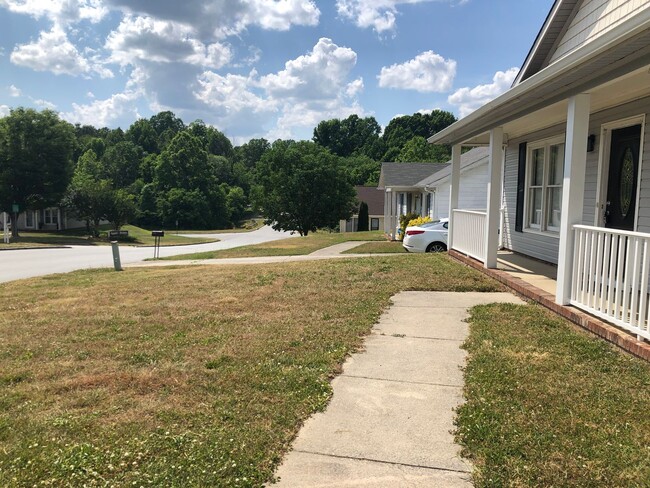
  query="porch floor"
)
[{"x": 539, "y": 274}]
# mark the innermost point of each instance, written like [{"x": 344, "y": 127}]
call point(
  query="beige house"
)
[{"x": 375, "y": 200}]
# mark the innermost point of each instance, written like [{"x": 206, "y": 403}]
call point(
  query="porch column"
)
[
  {"x": 453, "y": 191},
  {"x": 386, "y": 197},
  {"x": 423, "y": 204},
  {"x": 395, "y": 216},
  {"x": 493, "y": 217},
  {"x": 573, "y": 190}
]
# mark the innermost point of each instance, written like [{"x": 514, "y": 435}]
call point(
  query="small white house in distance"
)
[
  {"x": 473, "y": 188},
  {"x": 374, "y": 197},
  {"x": 51, "y": 218}
]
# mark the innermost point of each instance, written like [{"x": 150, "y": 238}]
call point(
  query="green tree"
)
[
  {"x": 236, "y": 203},
  {"x": 121, "y": 208},
  {"x": 402, "y": 129},
  {"x": 215, "y": 142},
  {"x": 35, "y": 160},
  {"x": 418, "y": 150},
  {"x": 144, "y": 135},
  {"x": 304, "y": 187},
  {"x": 362, "y": 170},
  {"x": 122, "y": 163},
  {"x": 363, "y": 217},
  {"x": 249, "y": 154},
  {"x": 349, "y": 136}
]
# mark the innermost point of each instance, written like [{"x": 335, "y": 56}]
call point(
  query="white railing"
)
[
  {"x": 468, "y": 229},
  {"x": 610, "y": 276}
]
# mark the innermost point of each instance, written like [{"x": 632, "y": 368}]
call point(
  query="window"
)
[
  {"x": 374, "y": 223},
  {"x": 51, "y": 216},
  {"x": 29, "y": 219},
  {"x": 544, "y": 186}
]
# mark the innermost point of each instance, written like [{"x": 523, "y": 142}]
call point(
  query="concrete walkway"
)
[{"x": 391, "y": 416}]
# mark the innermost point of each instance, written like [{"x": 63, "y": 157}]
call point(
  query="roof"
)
[
  {"x": 406, "y": 174},
  {"x": 617, "y": 53},
  {"x": 468, "y": 160},
  {"x": 374, "y": 197},
  {"x": 558, "y": 20}
]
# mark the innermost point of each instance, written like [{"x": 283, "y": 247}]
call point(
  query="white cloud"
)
[
  {"x": 60, "y": 11},
  {"x": 14, "y": 91},
  {"x": 54, "y": 52},
  {"x": 103, "y": 113},
  {"x": 378, "y": 14},
  {"x": 4, "y": 110},
  {"x": 227, "y": 17},
  {"x": 469, "y": 99},
  {"x": 427, "y": 72},
  {"x": 43, "y": 103},
  {"x": 144, "y": 38}
]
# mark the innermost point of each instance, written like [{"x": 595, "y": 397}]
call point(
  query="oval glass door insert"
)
[{"x": 627, "y": 181}]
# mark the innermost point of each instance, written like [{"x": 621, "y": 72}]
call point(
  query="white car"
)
[{"x": 429, "y": 237}]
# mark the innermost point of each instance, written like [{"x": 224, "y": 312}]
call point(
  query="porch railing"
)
[
  {"x": 469, "y": 233},
  {"x": 610, "y": 276}
]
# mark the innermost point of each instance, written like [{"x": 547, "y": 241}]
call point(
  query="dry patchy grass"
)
[
  {"x": 377, "y": 248},
  {"x": 292, "y": 246},
  {"x": 183, "y": 376}
]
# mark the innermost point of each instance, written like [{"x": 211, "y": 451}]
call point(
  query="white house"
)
[{"x": 576, "y": 179}]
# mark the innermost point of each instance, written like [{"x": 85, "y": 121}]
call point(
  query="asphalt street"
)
[{"x": 18, "y": 264}]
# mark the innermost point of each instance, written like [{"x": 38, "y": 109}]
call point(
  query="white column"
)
[
  {"x": 453, "y": 191},
  {"x": 394, "y": 216},
  {"x": 573, "y": 190},
  {"x": 386, "y": 197},
  {"x": 494, "y": 198},
  {"x": 423, "y": 204}
]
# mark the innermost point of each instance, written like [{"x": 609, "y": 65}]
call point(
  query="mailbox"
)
[{"x": 157, "y": 233}]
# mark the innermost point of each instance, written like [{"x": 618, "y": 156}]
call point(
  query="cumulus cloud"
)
[
  {"x": 103, "y": 113},
  {"x": 227, "y": 17},
  {"x": 60, "y": 11},
  {"x": 144, "y": 38},
  {"x": 14, "y": 91},
  {"x": 39, "y": 102},
  {"x": 4, "y": 110},
  {"x": 469, "y": 99},
  {"x": 381, "y": 15},
  {"x": 427, "y": 72},
  {"x": 54, "y": 52},
  {"x": 310, "y": 88}
]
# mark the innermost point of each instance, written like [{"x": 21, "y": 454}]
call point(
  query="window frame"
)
[{"x": 546, "y": 186}]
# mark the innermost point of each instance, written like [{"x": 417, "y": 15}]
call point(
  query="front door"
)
[{"x": 623, "y": 176}]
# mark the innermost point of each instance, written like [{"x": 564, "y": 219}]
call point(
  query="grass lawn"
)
[
  {"x": 246, "y": 226},
  {"x": 78, "y": 237},
  {"x": 291, "y": 246},
  {"x": 549, "y": 406},
  {"x": 194, "y": 376},
  {"x": 377, "y": 248}
]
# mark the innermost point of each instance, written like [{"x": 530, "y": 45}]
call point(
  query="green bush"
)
[{"x": 404, "y": 221}]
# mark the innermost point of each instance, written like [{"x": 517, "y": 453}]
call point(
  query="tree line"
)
[{"x": 161, "y": 172}]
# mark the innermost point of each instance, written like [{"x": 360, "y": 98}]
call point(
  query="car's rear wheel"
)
[{"x": 436, "y": 247}]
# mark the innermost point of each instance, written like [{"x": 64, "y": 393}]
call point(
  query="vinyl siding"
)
[
  {"x": 593, "y": 19},
  {"x": 472, "y": 194},
  {"x": 543, "y": 246}
]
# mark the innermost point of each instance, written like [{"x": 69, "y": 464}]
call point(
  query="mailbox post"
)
[
  {"x": 116, "y": 256},
  {"x": 157, "y": 234}
]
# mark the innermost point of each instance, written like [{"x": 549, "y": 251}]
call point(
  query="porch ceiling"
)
[{"x": 541, "y": 99}]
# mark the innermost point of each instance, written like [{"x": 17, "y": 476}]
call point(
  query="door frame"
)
[{"x": 603, "y": 166}]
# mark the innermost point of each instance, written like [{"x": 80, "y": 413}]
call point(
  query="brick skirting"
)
[{"x": 610, "y": 333}]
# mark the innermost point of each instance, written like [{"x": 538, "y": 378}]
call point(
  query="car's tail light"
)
[{"x": 414, "y": 232}]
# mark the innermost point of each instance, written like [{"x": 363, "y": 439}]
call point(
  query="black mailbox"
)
[{"x": 157, "y": 233}]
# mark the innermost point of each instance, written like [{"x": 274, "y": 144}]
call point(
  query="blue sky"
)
[{"x": 260, "y": 68}]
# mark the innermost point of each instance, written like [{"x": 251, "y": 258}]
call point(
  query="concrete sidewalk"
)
[{"x": 391, "y": 416}]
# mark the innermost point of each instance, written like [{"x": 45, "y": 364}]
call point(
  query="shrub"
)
[
  {"x": 363, "y": 217},
  {"x": 404, "y": 220},
  {"x": 419, "y": 221}
]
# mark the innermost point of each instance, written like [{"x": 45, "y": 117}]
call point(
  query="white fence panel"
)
[
  {"x": 610, "y": 276},
  {"x": 469, "y": 233}
]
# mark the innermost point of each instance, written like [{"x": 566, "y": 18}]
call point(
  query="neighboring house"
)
[
  {"x": 473, "y": 187},
  {"x": 51, "y": 218},
  {"x": 576, "y": 179},
  {"x": 402, "y": 193},
  {"x": 374, "y": 197}
]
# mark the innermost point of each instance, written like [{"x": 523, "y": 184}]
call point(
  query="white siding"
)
[
  {"x": 545, "y": 246},
  {"x": 593, "y": 19},
  {"x": 472, "y": 193}
]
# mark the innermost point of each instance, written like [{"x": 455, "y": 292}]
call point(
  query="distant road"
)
[{"x": 18, "y": 264}]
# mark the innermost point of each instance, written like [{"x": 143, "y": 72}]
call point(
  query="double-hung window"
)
[{"x": 544, "y": 186}]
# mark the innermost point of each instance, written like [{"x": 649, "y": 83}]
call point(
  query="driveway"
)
[{"x": 27, "y": 263}]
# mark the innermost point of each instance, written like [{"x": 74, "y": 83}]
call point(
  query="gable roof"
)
[
  {"x": 555, "y": 26},
  {"x": 475, "y": 157},
  {"x": 374, "y": 197},
  {"x": 406, "y": 174}
]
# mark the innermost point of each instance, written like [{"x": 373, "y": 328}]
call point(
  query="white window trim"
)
[{"x": 542, "y": 229}]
